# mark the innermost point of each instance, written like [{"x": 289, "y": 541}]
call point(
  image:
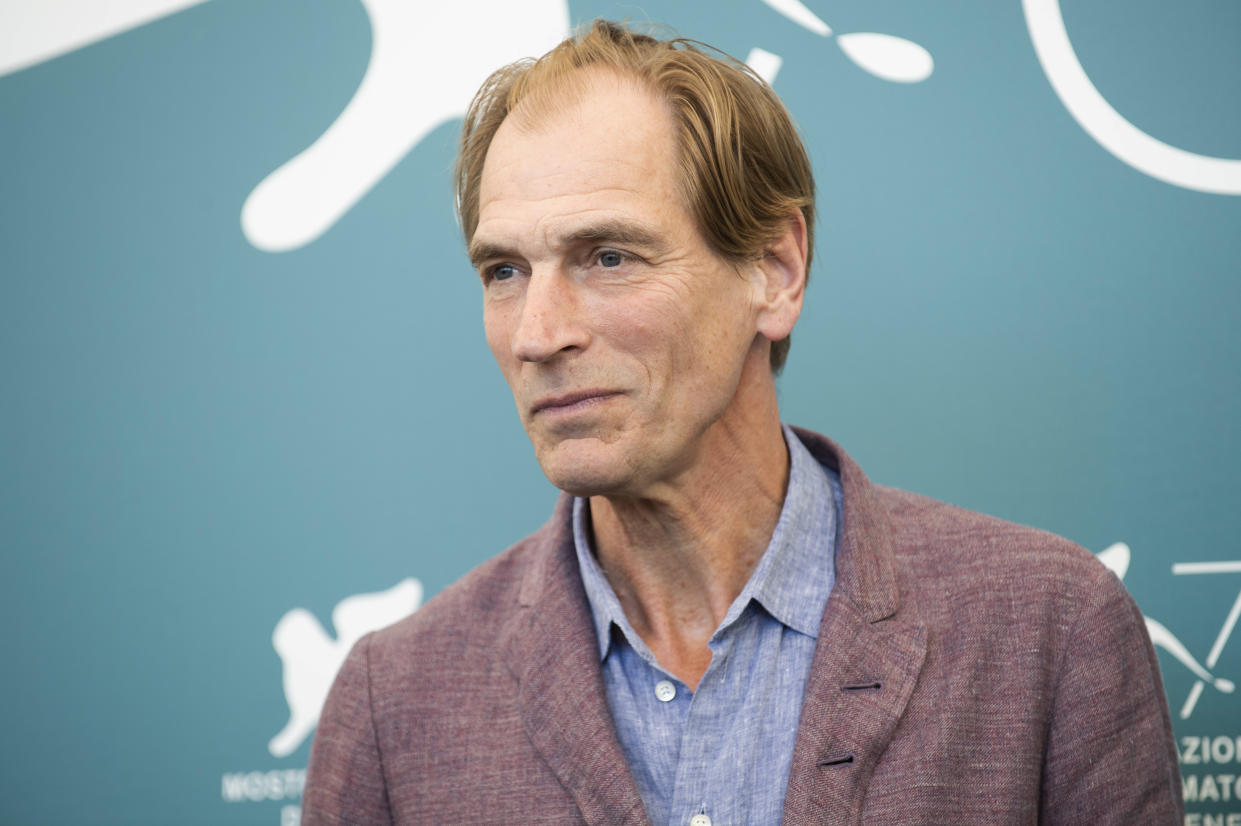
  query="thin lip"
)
[{"x": 569, "y": 399}]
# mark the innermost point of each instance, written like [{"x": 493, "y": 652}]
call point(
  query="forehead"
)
[{"x": 606, "y": 150}]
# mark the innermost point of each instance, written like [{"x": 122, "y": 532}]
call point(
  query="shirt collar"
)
[
  {"x": 793, "y": 578},
  {"x": 604, "y": 606},
  {"x": 795, "y": 575}
]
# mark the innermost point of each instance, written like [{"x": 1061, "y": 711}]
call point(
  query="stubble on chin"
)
[{"x": 584, "y": 466}]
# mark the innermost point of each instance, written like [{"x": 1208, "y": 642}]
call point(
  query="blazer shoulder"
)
[
  {"x": 466, "y": 616},
  {"x": 939, "y": 541}
]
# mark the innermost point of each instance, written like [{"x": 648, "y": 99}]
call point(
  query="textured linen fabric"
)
[
  {"x": 724, "y": 750},
  {"x": 968, "y": 670}
]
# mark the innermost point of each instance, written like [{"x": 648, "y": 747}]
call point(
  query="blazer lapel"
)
[
  {"x": 555, "y": 655},
  {"x": 859, "y": 685},
  {"x": 866, "y": 662}
]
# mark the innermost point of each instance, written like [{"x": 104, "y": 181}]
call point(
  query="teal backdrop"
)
[{"x": 248, "y": 411}]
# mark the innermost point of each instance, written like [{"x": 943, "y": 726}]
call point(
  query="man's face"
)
[{"x": 622, "y": 335}]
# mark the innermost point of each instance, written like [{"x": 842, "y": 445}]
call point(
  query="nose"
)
[{"x": 548, "y": 319}]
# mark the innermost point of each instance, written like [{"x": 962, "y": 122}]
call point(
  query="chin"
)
[{"x": 585, "y": 471}]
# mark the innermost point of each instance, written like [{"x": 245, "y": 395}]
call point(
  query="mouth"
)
[{"x": 571, "y": 402}]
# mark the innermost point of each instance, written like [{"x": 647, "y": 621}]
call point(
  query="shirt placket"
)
[{"x": 696, "y": 802}]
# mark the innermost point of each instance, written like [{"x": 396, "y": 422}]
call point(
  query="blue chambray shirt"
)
[{"x": 724, "y": 751}]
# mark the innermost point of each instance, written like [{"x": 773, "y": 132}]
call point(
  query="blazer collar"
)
[
  {"x": 865, "y": 568},
  {"x": 552, "y": 649}
]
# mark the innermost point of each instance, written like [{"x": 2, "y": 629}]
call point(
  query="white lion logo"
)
[{"x": 311, "y": 658}]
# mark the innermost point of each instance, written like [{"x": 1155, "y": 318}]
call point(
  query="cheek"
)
[
  {"x": 716, "y": 341},
  {"x": 653, "y": 333}
]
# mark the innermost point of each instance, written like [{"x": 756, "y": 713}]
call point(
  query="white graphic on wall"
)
[
  {"x": 1225, "y": 630},
  {"x": 34, "y": 32},
  {"x": 1107, "y": 126},
  {"x": 1116, "y": 557},
  {"x": 883, "y": 55},
  {"x": 311, "y": 658},
  {"x": 426, "y": 62}
]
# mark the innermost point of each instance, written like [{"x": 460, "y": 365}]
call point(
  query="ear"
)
[{"x": 781, "y": 274}]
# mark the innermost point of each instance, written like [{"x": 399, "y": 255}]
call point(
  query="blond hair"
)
[{"x": 742, "y": 166}]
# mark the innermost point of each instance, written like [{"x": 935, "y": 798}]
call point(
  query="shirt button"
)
[
  {"x": 700, "y": 820},
  {"x": 664, "y": 692}
]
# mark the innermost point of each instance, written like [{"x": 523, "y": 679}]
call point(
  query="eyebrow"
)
[
  {"x": 617, "y": 232},
  {"x": 607, "y": 232},
  {"x": 480, "y": 251}
]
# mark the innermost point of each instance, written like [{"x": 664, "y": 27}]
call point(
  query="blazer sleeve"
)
[
  {"x": 1110, "y": 756},
  {"x": 344, "y": 778}
]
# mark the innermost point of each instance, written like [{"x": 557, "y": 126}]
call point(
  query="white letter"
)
[
  {"x": 232, "y": 787},
  {"x": 1222, "y": 750}
]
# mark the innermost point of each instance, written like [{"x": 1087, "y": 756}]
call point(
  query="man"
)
[{"x": 724, "y": 621}]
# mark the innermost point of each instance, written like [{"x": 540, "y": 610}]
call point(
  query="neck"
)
[{"x": 679, "y": 555}]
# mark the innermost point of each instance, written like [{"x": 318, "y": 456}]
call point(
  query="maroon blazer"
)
[{"x": 967, "y": 670}]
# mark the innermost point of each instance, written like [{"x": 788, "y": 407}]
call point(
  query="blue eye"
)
[
  {"x": 503, "y": 272},
  {"x": 610, "y": 259}
]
